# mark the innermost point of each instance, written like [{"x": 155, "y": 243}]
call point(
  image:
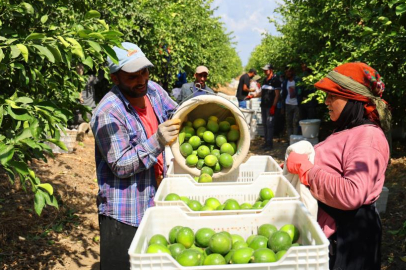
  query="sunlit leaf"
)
[
  {"x": 92, "y": 14},
  {"x": 45, "y": 52},
  {"x": 35, "y": 36}
]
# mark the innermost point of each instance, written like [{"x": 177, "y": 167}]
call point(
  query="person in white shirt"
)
[{"x": 290, "y": 92}]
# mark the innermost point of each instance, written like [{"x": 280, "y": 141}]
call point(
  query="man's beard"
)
[{"x": 130, "y": 93}]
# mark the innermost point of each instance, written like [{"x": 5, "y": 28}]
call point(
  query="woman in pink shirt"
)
[{"x": 349, "y": 168}]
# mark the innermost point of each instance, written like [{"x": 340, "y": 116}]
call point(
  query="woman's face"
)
[{"x": 335, "y": 105}]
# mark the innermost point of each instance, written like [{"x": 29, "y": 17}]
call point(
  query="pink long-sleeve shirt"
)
[{"x": 349, "y": 170}]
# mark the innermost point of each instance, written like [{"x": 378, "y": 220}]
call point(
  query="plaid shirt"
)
[{"x": 125, "y": 157}]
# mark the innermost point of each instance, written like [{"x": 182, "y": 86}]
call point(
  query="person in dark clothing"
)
[
  {"x": 244, "y": 87},
  {"x": 306, "y": 110},
  {"x": 270, "y": 93}
]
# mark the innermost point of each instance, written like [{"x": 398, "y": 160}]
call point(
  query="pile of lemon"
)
[
  {"x": 206, "y": 247},
  {"x": 213, "y": 204},
  {"x": 209, "y": 145}
]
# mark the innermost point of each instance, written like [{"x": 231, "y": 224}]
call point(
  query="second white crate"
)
[
  {"x": 241, "y": 192},
  {"x": 246, "y": 172}
]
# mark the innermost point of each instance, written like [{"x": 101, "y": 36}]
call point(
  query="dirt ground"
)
[{"x": 68, "y": 238}]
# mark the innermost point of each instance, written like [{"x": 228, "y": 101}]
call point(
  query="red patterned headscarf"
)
[{"x": 358, "y": 81}]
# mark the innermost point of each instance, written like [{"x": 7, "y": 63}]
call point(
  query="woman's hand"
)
[{"x": 299, "y": 164}]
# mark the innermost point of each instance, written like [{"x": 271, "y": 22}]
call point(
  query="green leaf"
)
[
  {"x": 105, "y": 25},
  {"x": 110, "y": 52},
  {"x": 393, "y": 2},
  {"x": 92, "y": 14},
  {"x": 55, "y": 52},
  {"x": 96, "y": 35},
  {"x": 1, "y": 114},
  {"x": 94, "y": 45},
  {"x": 26, "y": 133},
  {"x": 35, "y": 36},
  {"x": 76, "y": 47},
  {"x": 58, "y": 143},
  {"x": 111, "y": 34},
  {"x": 39, "y": 201},
  {"x": 28, "y": 8},
  {"x": 20, "y": 167},
  {"x": 24, "y": 51},
  {"x": 63, "y": 41},
  {"x": 400, "y": 9},
  {"x": 25, "y": 100},
  {"x": 30, "y": 143},
  {"x": 1, "y": 55},
  {"x": 10, "y": 173},
  {"x": 47, "y": 187},
  {"x": 44, "y": 19},
  {"x": 46, "y": 52},
  {"x": 6, "y": 153},
  {"x": 88, "y": 62},
  {"x": 15, "y": 51},
  {"x": 17, "y": 115}
]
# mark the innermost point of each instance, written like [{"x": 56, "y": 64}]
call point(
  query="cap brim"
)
[{"x": 136, "y": 65}]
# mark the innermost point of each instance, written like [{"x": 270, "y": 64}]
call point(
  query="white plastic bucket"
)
[
  {"x": 310, "y": 127},
  {"x": 296, "y": 138}
]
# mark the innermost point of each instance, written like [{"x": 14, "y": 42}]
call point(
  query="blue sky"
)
[{"x": 248, "y": 19}]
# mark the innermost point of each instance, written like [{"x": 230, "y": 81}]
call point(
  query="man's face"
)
[
  {"x": 288, "y": 73},
  {"x": 201, "y": 78},
  {"x": 267, "y": 72},
  {"x": 132, "y": 84}
]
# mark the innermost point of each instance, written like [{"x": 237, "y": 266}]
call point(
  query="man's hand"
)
[{"x": 168, "y": 131}]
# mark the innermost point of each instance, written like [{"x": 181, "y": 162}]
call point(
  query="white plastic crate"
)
[
  {"x": 246, "y": 172},
  {"x": 311, "y": 256},
  {"x": 254, "y": 104},
  {"x": 241, "y": 192}
]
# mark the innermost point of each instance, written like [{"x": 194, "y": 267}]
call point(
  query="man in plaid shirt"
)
[{"x": 131, "y": 129}]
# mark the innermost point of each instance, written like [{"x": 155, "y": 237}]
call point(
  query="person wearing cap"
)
[
  {"x": 243, "y": 87},
  {"x": 131, "y": 127},
  {"x": 196, "y": 88},
  {"x": 349, "y": 166},
  {"x": 270, "y": 93}
]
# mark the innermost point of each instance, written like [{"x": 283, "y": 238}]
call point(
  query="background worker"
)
[
  {"x": 196, "y": 88},
  {"x": 131, "y": 129},
  {"x": 243, "y": 87},
  {"x": 349, "y": 166}
]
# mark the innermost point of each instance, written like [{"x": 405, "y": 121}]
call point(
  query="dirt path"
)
[{"x": 67, "y": 239}]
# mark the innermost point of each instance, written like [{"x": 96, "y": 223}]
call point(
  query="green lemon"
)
[
  {"x": 245, "y": 206},
  {"x": 200, "y": 164},
  {"x": 227, "y": 148},
  {"x": 207, "y": 170},
  {"x": 279, "y": 241},
  {"x": 157, "y": 248},
  {"x": 214, "y": 259},
  {"x": 266, "y": 194},
  {"x": 263, "y": 255},
  {"x": 172, "y": 197},
  {"x": 231, "y": 120},
  {"x": 206, "y": 208},
  {"x": 220, "y": 243},
  {"x": 239, "y": 244},
  {"x": 257, "y": 205},
  {"x": 205, "y": 178},
  {"x": 210, "y": 160},
  {"x": 237, "y": 238},
  {"x": 226, "y": 160},
  {"x": 292, "y": 231},
  {"x": 229, "y": 255},
  {"x": 192, "y": 160},
  {"x": 202, "y": 151},
  {"x": 242, "y": 255},
  {"x": 195, "y": 142},
  {"x": 185, "y": 199},
  {"x": 250, "y": 238},
  {"x": 220, "y": 140},
  {"x": 202, "y": 237},
  {"x": 217, "y": 167},
  {"x": 212, "y": 202},
  {"x": 234, "y": 146},
  {"x": 200, "y": 131},
  {"x": 233, "y": 135},
  {"x": 212, "y": 126},
  {"x": 185, "y": 236},
  {"x": 280, "y": 254},
  {"x": 216, "y": 152},
  {"x": 267, "y": 230},
  {"x": 199, "y": 122},
  {"x": 189, "y": 132},
  {"x": 224, "y": 126},
  {"x": 213, "y": 118},
  {"x": 188, "y": 124},
  {"x": 186, "y": 149},
  {"x": 176, "y": 249},
  {"x": 194, "y": 205},
  {"x": 208, "y": 137},
  {"x": 265, "y": 202},
  {"x": 158, "y": 239},
  {"x": 220, "y": 208},
  {"x": 172, "y": 234},
  {"x": 259, "y": 241},
  {"x": 231, "y": 204},
  {"x": 189, "y": 257}
]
